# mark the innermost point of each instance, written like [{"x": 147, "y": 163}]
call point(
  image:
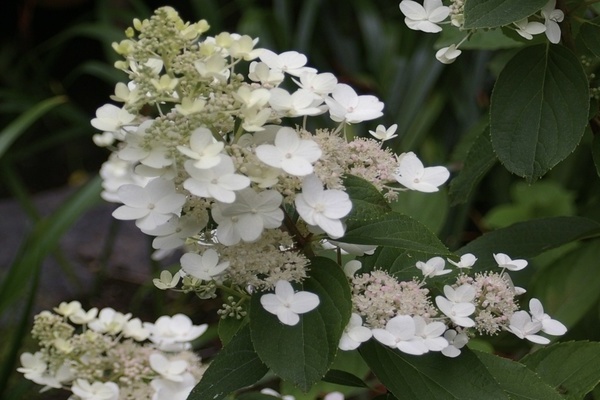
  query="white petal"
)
[
  {"x": 287, "y": 316},
  {"x": 304, "y": 302}
]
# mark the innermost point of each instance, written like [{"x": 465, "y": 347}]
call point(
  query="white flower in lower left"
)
[
  {"x": 287, "y": 304},
  {"x": 96, "y": 390}
]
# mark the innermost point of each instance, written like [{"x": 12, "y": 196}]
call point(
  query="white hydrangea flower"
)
[
  {"x": 456, "y": 341},
  {"x": 67, "y": 309},
  {"x": 549, "y": 325},
  {"x": 110, "y": 118},
  {"x": 274, "y": 393},
  {"x": 166, "y": 389},
  {"x": 154, "y": 155},
  {"x": 413, "y": 175},
  {"x": 96, "y": 390},
  {"x": 214, "y": 67},
  {"x": 167, "y": 280},
  {"x": 260, "y": 72},
  {"x": 33, "y": 365},
  {"x": 204, "y": 149},
  {"x": 447, "y": 55},
  {"x": 109, "y": 321},
  {"x": 190, "y": 106},
  {"x": 323, "y": 208},
  {"x": 506, "y": 262},
  {"x": 173, "y": 233},
  {"x": 219, "y": 182},
  {"x": 430, "y": 333},
  {"x": 248, "y": 216},
  {"x": 522, "y": 326},
  {"x": 287, "y": 304},
  {"x": 552, "y": 16},
  {"x": 172, "y": 370},
  {"x": 174, "y": 333},
  {"x": 151, "y": 205},
  {"x": 290, "y": 62},
  {"x": 290, "y": 153},
  {"x": 205, "y": 267},
  {"x": 433, "y": 267},
  {"x": 296, "y": 104},
  {"x": 318, "y": 84},
  {"x": 424, "y": 17},
  {"x": 527, "y": 28},
  {"x": 382, "y": 133},
  {"x": 466, "y": 261},
  {"x": 399, "y": 333},
  {"x": 134, "y": 329},
  {"x": 354, "y": 334},
  {"x": 243, "y": 47},
  {"x": 116, "y": 173},
  {"x": 457, "y": 304},
  {"x": 252, "y": 98},
  {"x": 347, "y": 106},
  {"x": 351, "y": 267},
  {"x": 82, "y": 317}
]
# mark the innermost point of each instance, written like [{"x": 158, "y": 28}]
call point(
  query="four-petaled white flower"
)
[
  {"x": 290, "y": 62},
  {"x": 135, "y": 330},
  {"x": 527, "y": 28},
  {"x": 382, "y": 133},
  {"x": 413, "y": 175},
  {"x": 466, "y": 261},
  {"x": 552, "y": 16},
  {"x": 203, "y": 148},
  {"x": 287, "y": 304},
  {"x": 96, "y": 390},
  {"x": 167, "y": 280},
  {"x": 205, "y": 267},
  {"x": 430, "y": 333},
  {"x": 447, "y": 55},
  {"x": 457, "y": 305},
  {"x": 166, "y": 389},
  {"x": 174, "y": 333},
  {"x": 323, "y": 208},
  {"x": 506, "y": 262},
  {"x": 299, "y": 103},
  {"x": 247, "y": 218},
  {"x": 318, "y": 84},
  {"x": 347, "y": 106},
  {"x": 290, "y": 153},
  {"x": 456, "y": 341},
  {"x": 110, "y": 118},
  {"x": 354, "y": 334},
  {"x": 175, "y": 231},
  {"x": 549, "y": 325},
  {"x": 522, "y": 326},
  {"x": 150, "y": 206},
  {"x": 172, "y": 370},
  {"x": 109, "y": 321},
  {"x": 433, "y": 267},
  {"x": 219, "y": 182},
  {"x": 424, "y": 17},
  {"x": 400, "y": 333}
]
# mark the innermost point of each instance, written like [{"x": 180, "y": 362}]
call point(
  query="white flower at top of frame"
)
[
  {"x": 522, "y": 326},
  {"x": 424, "y": 17},
  {"x": 505, "y": 261},
  {"x": 219, "y": 182},
  {"x": 110, "y": 118},
  {"x": 290, "y": 153},
  {"x": 430, "y": 333},
  {"x": 323, "y": 208},
  {"x": 82, "y": 317},
  {"x": 150, "y": 206},
  {"x": 260, "y": 72},
  {"x": 205, "y": 267},
  {"x": 457, "y": 312},
  {"x": 354, "y": 334},
  {"x": 248, "y": 216},
  {"x": 465, "y": 293},
  {"x": 67, "y": 309},
  {"x": 287, "y": 304},
  {"x": 301, "y": 102},
  {"x": 290, "y": 62},
  {"x": 166, "y": 389},
  {"x": 109, "y": 321},
  {"x": 318, "y": 84},
  {"x": 347, "y": 106},
  {"x": 413, "y": 175},
  {"x": 174, "y": 333},
  {"x": 447, "y": 55},
  {"x": 433, "y": 267},
  {"x": 466, "y": 261},
  {"x": 172, "y": 370},
  {"x": 382, "y": 133},
  {"x": 134, "y": 329},
  {"x": 96, "y": 390},
  {"x": 399, "y": 333},
  {"x": 137, "y": 149},
  {"x": 549, "y": 325},
  {"x": 527, "y": 29},
  {"x": 204, "y": 148},
  {"x": 456, "y": 341},
  {"x": 552, "y": 16}
]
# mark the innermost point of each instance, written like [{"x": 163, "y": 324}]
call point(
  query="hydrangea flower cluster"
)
[
  {"x": 104, "y": 354},
  {"x": 210, "y": 152},
  {"x": 428, "y": 17},
  {"x": 402, "y": 315}
]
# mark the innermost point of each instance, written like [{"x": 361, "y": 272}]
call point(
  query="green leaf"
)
[
  {"x": 228, "y": 327},
  {"x": 431, "y": 376},
  {"x": 539, "y": 109},
  {"x": 516, "y": 380},
  {"x": 568, "y": 288},
  {"x": 428, "y": 208},
  {"x": 589, "y": 34},
  {"x": 303, "y": 353},
  {"x": 367, "y": 201},
  {"x": 596, "y": 152},
  {"x": 16, "y": 128},
  {"x": 480, "y": 159},
  {"x": 256, "y": 396},
  {"x": 344, "y": 378},
  {"x": 493, "y": 39},
  {"x": 236, "y": 366},
  {"x": 572, "y": 368},
  {"x": 493, "y": 13},
  {"x": 528, "y": 239}
]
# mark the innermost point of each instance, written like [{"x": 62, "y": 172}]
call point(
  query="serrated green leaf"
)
[
  {"x": 344, "y": 378},
  {"x": 589, "y": 34},
  {"x": 572, "y": 368},
  {"x": 236, "y": 366},
  {"x": 519, "y": 382},
  {"x": 367, "y": 201},
  {"x": 528, "y": 239},
  {"x": 431, "y": 376},
  {"x": 303, "y": 353},
  {"x": 228, "y": 327},
  {"x": 539, "y": 109},
  {"x": 480, "y": 159},
  {"x": 493, "y": 39},
  {"x": 568, "y": 288},
  {"x": 428, "y": 208},
  {"x": 493, "y": 13}
]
